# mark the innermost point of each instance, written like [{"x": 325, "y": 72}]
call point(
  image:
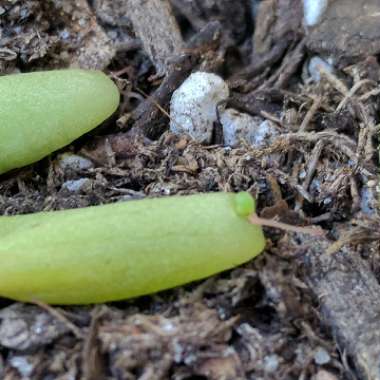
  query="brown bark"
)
[
  {"x": 348, "y": 295},
  {"x": 155, "y": 25}
]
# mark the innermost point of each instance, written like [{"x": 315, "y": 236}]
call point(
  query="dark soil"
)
[{"x": 276, "y": 317}]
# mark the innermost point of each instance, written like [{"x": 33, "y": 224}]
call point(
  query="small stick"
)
[
  {"x": 352, "y": 92},
  {"x": 369, "y": 148},
  {"x": 354, "y": 194},
  {"x": 310, "y": 114},
  {"x": 313, "y": 231},
  {"x": 272, "y": 118},
  {"x": 153, "y": 101},
  {"x": 367, "y": 95},
  {"x": 315, "y": 154},
  {"x": 311, "y": 167},
  {"x": 334, "y": 81},
  {"x": 275, "y": 188},
  {"x": 91, "y": 359},
  {"x": 291, "y": 64},
  {"x": 60, "y": 317}
]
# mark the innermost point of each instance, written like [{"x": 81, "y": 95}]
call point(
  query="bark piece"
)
[
  {"x": 155, "y": 25},
  {"x": 255, "y": 102},
  {"x": 348, "y": 294},
  {"x": 233, "y": 15},
  {"x": 349, "y": 28},
  {"x": 278, "y": 20}
]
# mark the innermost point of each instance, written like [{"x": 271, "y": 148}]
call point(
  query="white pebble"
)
[
  {"x": 23, "y": 366},
  {"x": 239, "y": 126},
  {"x": 193, "y": 105},
  {"x": 77, "y": 185},
  {"x": 74, "y": 162},
  {"x": 313, "y": 11},
  {"x": 315, "y": 65},
  {"x": 368, "y": 200},
  {"x": 321, "y": 356},
  {"x": 271, "y": 363}
]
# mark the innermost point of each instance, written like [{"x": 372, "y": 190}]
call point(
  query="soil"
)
[{"x": 307, "y": 308}]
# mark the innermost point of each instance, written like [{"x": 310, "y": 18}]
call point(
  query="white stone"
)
[
  {"x": 313, "y": 11},
  {"x": 368, "y": 200},
  {"x": 239, "y": 126},
  {"x": 193, "y": 105},
  {"x": 22, "y": 364},
  {"x": 321, "y": 356},
  {"x": 74, "y": 162},
  {"x": 271, "y": 363},
  {"x": 315, "y": 65},
  {"x": 77, "y": 185}
]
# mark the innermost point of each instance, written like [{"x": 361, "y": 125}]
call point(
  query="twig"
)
[
  {"x": 320, "y": 218},
  {"x": 313, "y": 231},
  {"x": 260, "y": 63},
  {"x": 310, "y": 114},
  {"x": 341, "y": 142},
  {"x": 329, "y": 135},
  {"x": 369, "y": 148},
  {"x": 91, "y": 363},
  {"x": 311, "y": 167},
  {"x": 275, "y": 188},
  {"x": 288, "y": 66},
  {"x": 313, "y": 162},
  {"x": 367, "y": 95},
  {"x": 60, "y": 317},
  {"x": 291, "y": 64},
  {"x": 334, "y": 81},
  {"x": 271, "y": 117},
  {"x": 356, "y": 87},
  {"x": 354, "y": 194}
]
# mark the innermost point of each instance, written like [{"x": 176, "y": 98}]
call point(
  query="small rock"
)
[
  {"x": 315, "y": 65},
  {"x": 271, "y": 363},
  {"x": 240, "y": 126},
  {"x": 25, "y": 327},
  {"x": 313, "y": 11},
  {"x": 22, "y": 365},
  {"x": 324, "y": 375},
  {"x": 321, "y": 356},
  {"x": 368, "y": 200},
  {"x": 193, "y": 105},
  {"x": 77, "y": 185},
  {"x": 69, "y": 161}
]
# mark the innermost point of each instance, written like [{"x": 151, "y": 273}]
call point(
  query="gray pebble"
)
[
  {"x": 321, "y": 356},
  {"x": 69, "y": 161},
  {"x": 239, "y": 126}
]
